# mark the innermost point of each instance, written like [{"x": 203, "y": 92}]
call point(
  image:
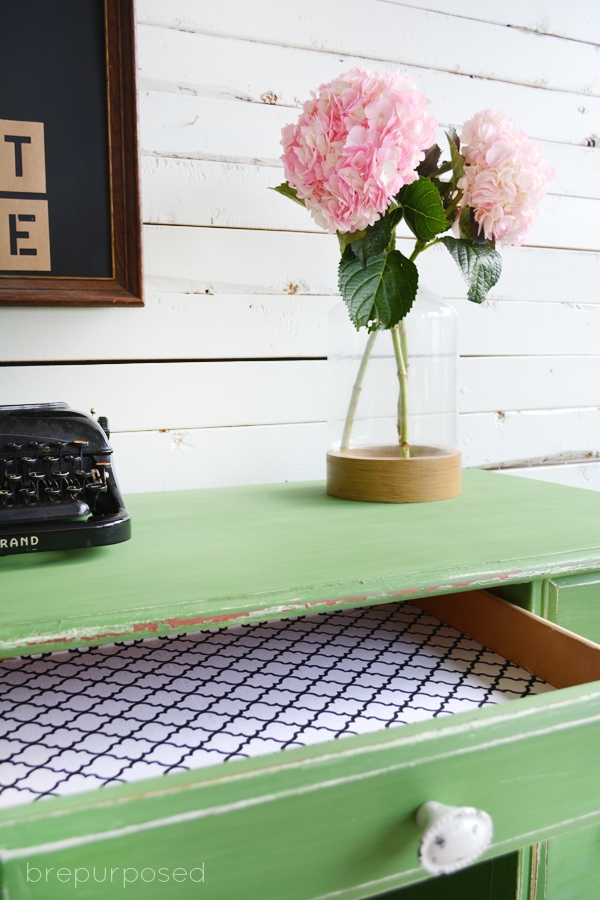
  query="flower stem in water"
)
[
  {"x": 356, "y": 390},
  {"x": 401, "y": 353}
]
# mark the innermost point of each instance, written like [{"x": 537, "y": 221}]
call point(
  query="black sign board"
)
[{"x": 69, "y": 196}]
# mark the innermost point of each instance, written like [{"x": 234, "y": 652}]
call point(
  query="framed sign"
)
[{"x": 70, "y": 229}]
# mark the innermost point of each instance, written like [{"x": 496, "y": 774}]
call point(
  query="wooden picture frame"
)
[{"x": 121, "y": 283}]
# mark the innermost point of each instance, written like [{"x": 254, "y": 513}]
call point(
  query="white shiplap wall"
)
[{"x": 219, "y": 379}]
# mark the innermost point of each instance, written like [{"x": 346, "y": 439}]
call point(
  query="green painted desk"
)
[{"x": 335, "y": 819}]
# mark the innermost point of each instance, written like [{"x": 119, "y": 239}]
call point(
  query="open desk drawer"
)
[{"x": 338, "y": 818}]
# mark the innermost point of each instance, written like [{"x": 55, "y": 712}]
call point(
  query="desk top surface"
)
[{"x": 225, "y": 556}]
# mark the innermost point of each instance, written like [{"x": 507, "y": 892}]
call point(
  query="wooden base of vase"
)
[{"x": 382, "y": 475}]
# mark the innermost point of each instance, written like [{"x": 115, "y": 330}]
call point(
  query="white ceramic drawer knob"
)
[{"x": 453, "y": 836}]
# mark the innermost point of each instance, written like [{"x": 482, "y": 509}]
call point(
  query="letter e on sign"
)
[
  {"x": 24, "y": 235},
  {"x": 22, "y": 157}
]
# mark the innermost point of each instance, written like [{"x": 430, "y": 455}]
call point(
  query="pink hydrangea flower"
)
[
  {"x": 505, "y": 177},
  {"x": 357, "y": 142}
]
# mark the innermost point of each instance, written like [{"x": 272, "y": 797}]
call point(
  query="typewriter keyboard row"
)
[{"x": 57, "y": 479}]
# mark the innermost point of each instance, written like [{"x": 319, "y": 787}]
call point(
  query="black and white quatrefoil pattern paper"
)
[{"x": 73, "y": 721}]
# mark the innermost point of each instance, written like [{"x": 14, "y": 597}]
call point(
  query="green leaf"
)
[
  {"x": 394, "y": 215},
  {"x": 347, "y": 238},
  {"x": 464, "y": 223},
  {"x": 347, "y": 254},
  {"x": 423, "y": 209},
  {"x": 375, "y": 240},
  {"x": 480, "y": 265},
  {"x": 288, "y": 191},
  {"x": 381, "y": 293}
]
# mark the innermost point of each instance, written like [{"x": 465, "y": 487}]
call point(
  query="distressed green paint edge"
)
[
  {"x": 542, "y": 885},
  {"x": 577, "y": 580},
  {"x": 445, "y": 736},
  {"x": 524, "y": 874},
  {"x": 66, "y": 634}
]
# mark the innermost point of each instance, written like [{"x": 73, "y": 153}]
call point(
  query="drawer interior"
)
[{"x": 78, "y": 720}]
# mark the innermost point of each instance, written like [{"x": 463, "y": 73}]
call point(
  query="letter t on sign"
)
[
  {"x": 22, "y": 157},
  {"x": 17, "y": 140}
]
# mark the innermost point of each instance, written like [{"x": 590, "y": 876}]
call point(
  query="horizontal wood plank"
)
[
  {"x": 513, "y": 328},
  {"x": 205, "y": 65},
  {"x": 491, "y": 438},
  {"x": 207, "y": 128},
  {"x": 219, "y": 260},
  {"x": 575, "y": 167},
  {"x": 173, "y": 326},
  {"x": 151, "y": 396},
  {"x": 206, "y": 193},
  {"x": 371, "y": 29},
  {"x": 182, "y": 125},
  {"x": 578, "y": 21},
  {"x": 551, "y": 382},
  {"x": 155, "y": 395},
  {"x": 239, "y": 326},
  {"x": 183, "y": 459}
]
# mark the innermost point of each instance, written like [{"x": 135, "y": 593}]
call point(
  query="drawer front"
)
[
  {"x": 574, "y": 603},
  {"x": 337, "y": 819},
  {"x": 573, "y": 872}
]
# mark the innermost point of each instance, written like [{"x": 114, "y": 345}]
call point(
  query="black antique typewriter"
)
[{"x": 58, "y": 488}]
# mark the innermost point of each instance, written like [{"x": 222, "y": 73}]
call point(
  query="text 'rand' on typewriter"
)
[{"x": 58, "y": 488}]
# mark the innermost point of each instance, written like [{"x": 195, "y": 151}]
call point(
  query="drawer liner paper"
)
[{"x": 74, "y": 721}]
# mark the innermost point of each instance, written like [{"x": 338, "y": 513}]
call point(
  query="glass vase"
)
[{"x": 392, "y": 407}]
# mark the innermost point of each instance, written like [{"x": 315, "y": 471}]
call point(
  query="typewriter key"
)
[
  {"x": 104, "y": 470},
  {"x": 62, "y": 474},
  {"x": 37, "y": 477},
  {"x": 96, "y": 488}
]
